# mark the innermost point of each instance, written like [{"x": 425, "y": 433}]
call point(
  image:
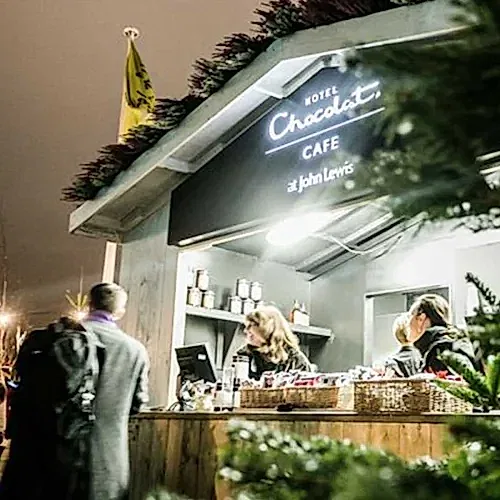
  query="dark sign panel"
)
[{"x": 301, "y": 154}]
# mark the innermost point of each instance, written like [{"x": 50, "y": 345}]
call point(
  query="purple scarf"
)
[{"x": 101, "y": 317}]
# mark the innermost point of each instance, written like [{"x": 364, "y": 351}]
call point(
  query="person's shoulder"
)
[
  {"x": 34, "y": 338},
  {"x": 409, "y": 350},
  {"x": 134, "y": 345},
  {"x": 115, "y": 335}
]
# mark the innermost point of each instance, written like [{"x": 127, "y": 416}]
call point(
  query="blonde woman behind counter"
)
[{"x": 270, "y": 343}]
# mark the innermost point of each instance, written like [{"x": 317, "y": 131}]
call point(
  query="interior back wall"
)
[{"x": 435, "y": 256}]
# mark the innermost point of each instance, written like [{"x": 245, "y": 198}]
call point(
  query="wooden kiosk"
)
[{"x": 276, "y": 142}]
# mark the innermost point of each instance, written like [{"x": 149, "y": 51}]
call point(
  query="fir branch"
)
[
  {"x": 279, "y": 18},
  {"x": 323, "y": 12},
  {"x": 469, "y": 429},
  {"x": 424, "y": 83},
  {"x": 241, "y": 47},
  {"x": 485, "y": 292},
  {"x": 476, "y": 381},
  {"x": 485, "y": 332},
  {"x": 493, "y": 378},
  {"x": 169, "y": 113},
  {"x": 463, "y": 393}
]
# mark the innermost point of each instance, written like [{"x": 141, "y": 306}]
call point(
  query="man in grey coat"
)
[{"x": 122, "y": 391}]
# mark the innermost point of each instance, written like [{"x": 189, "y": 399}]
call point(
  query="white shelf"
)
[{"x": 239, "y": 318}]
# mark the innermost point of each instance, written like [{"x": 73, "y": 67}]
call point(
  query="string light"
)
[
  {"x": 5, "y": 319},
  {"x": 79, "y": 315}
]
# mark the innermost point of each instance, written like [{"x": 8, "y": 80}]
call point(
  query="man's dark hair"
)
[{"x": 107, "y": 297}]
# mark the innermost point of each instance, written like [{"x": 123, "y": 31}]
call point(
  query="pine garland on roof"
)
[{"x": 275, "y": 19}]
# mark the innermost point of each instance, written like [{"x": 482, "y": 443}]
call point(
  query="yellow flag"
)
[
  {"x": 138, "y": 101},
  {"x": 138, "y": 94}
]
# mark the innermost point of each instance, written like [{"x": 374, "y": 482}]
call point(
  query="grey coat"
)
[{"x": 122, "y": 391}]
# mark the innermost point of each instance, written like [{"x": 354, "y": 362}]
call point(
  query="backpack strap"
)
[
  {"x": 92, "y": 376},
  {"x": 79, "y": 355}
]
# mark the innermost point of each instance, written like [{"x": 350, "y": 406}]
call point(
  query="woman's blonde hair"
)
[
  {"x": 275, "y": 330},
  {"x": 400, "y": 329}
]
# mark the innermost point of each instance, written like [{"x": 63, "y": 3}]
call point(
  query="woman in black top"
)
[
  {"x": 271, "y": 344},
  {"x": 432, "y": 334}
]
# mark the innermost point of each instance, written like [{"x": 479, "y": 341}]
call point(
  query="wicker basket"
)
[
  {"x": 299, "y": 397},
  {"x": 261, "y": 398},
  {"x": 312, "y": 397},
  {"x": 404, "y": 396}
]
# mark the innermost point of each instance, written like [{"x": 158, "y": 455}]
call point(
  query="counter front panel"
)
[{"x": 179, "y": 450}]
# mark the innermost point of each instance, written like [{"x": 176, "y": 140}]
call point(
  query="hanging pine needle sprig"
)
[
  {"x": 279, "y": 18},
  {"x": 169, "y": 113},
  {"x": 230, "y": 57},
  {"x": 486, "y": 292},
  {"x": 209, "y": 76},
  {"x": 241, "y": 47},
  {"x": 323, "y": 12}
]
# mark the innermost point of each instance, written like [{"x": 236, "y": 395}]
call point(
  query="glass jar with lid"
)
[
  {"x": 194, "y": 297},
  {"x": 235, "y": 304},
  {"x": 202, "y": 279},
  {"x": 248, "y": 306},
  {"x": 256, "y": 291},
  {"x": 208, "y": 300},
  {"x": 242, "y": 288},
  {"x": 241, "y": 365}
]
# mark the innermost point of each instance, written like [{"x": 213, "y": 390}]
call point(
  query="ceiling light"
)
[{"x": 295, "y": 229}]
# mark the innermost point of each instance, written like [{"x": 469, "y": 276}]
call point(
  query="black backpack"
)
[{"x": 53, "y": 393}]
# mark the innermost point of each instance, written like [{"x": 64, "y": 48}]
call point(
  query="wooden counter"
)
[{"x": 179, "y": 450}]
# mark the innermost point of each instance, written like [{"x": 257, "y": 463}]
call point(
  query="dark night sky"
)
[{"x": 60, "y": 81}]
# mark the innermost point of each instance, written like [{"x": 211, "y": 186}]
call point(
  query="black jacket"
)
[
  {"x": 406, "y": 362},
  {"x": 297, "y": 360},
  {"x": 437, "y": 340}
]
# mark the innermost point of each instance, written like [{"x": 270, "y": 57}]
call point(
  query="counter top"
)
[{"x": 304, "y": 415}]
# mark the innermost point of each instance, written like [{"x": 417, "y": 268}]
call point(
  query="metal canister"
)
[
  {"x": 256, "y": 291},
  {"x": 241, "y": 366},
  {"x": 208, "y": 300},
  {"x": 242, "y": 288},
  {"x": 235, "y": 304},
  {"x": 202, "y": 280},
  {"x": 194, "y": 297},
  {"x": 248, "y": 306}
]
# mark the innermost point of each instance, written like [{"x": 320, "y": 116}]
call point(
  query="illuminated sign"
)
[
  {"x": 284, "y": 123},
  {"x": 314, "y": 126}
]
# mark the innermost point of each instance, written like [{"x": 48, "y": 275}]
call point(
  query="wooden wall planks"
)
[
  {"x": 148, "y": 269},
  {"x": 179, "y": 452}
]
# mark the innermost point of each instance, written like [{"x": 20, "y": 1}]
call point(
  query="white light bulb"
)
[
  {"x": 4, "y": 319},
  {"x": 79, "y": 315},
  {"x": 295, "y": 229}
]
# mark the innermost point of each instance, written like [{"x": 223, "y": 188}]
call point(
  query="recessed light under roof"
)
[{"x": 297, "y": 228}]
